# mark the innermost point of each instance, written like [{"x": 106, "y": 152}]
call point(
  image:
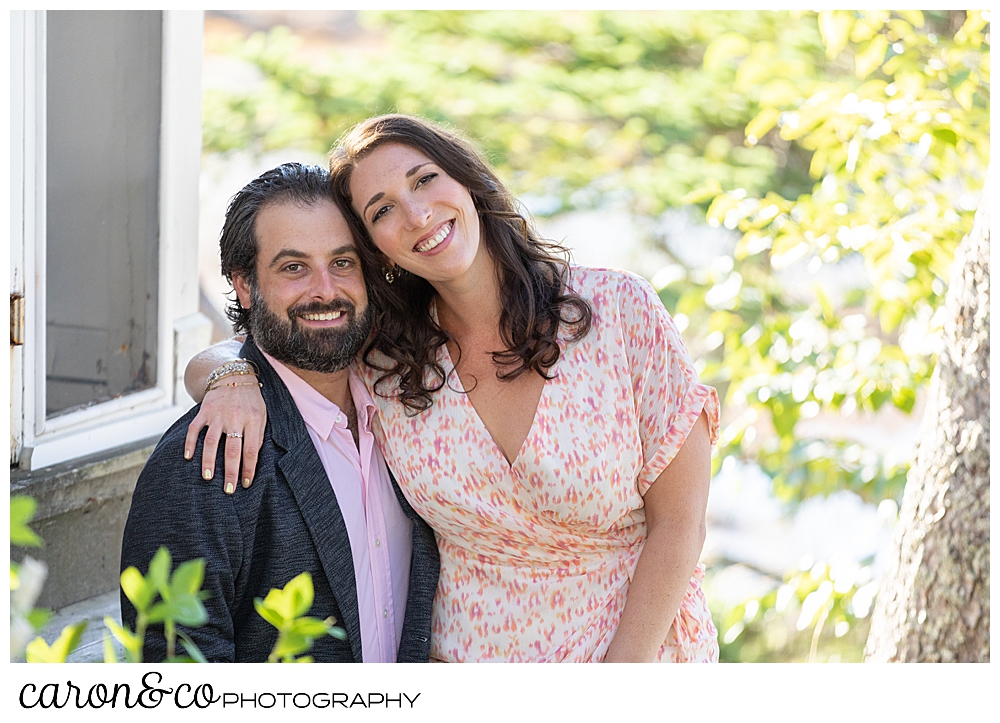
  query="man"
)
[{"x": 322, "y": 499}]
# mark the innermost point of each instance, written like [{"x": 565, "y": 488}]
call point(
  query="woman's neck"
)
[{"x": 471, "y": 305}]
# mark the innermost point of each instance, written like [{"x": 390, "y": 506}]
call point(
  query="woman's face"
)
[{"x": 418, "y": 216}]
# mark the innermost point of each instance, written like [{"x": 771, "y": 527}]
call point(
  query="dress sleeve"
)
[{"x": 668, "y": 396}]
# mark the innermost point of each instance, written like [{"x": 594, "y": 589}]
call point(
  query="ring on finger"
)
[{"x": 237, "y": 435}]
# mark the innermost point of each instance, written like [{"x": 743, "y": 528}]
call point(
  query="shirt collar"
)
[{"x": 319, "y": 413}]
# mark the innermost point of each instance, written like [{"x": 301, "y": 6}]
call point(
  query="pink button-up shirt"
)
[{"x": 380, "y": 533}]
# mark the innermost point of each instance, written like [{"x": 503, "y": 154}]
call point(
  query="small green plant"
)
[
  {"x": 285, "y": 609},
  {"x": 160, "y": 597}
]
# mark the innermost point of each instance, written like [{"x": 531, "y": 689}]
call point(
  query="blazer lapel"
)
[{"x": 313, "y": 494}]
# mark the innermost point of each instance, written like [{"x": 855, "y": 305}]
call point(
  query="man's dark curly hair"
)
[
  {"x": 289, "y": 182},
  {"x": 533, "y": 273}
]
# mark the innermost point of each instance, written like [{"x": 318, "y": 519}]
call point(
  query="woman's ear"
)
[{"x": 242, "y": 289}]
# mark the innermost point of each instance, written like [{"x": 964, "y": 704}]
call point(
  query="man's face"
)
[{"x": 308, "y": 307}]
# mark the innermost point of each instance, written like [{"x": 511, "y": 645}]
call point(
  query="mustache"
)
[{"x": 318, "y": 307}]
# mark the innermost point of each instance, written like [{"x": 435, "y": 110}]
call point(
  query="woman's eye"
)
[
  {"x": 379, "y": 213},
  {"x": 425, "y": 178}
]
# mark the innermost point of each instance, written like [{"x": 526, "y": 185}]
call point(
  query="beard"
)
[{"x": 314, "y": 350}]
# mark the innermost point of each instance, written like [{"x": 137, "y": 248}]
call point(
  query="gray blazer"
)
[{"x": 257, "y": 539}]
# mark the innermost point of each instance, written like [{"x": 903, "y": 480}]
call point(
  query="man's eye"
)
[
  {"x": 293, "y": 267},
  {"x": 343, "y": 263}
]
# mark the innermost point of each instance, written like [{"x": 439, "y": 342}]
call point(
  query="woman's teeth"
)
[
  {"x": 328, "y": 316},
  {"x": 436, "y": 240}
]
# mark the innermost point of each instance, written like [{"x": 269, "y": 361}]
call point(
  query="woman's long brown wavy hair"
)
[{"x": 533, "y": 273}]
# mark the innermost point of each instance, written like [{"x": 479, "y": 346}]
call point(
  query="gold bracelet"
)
[
  {"x": 234, "y": 384},
  {"x": 236, "y": 366}
]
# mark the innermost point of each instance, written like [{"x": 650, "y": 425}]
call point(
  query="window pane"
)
[{"x": 102, "y": 147}]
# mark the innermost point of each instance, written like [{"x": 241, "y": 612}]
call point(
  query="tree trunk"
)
[{"x": 934, "y": 603}]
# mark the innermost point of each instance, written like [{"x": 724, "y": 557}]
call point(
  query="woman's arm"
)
[
  {"x": 675, "y": 507},
  {"x": 226, "y": 409}
]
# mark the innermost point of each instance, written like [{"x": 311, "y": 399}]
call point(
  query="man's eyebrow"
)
[
  {"x": 296, "y": 254},
  {"x": 379, "y": 195}
]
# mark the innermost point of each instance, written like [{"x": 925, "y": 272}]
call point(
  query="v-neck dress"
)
[{"x": 537, "y": 556}]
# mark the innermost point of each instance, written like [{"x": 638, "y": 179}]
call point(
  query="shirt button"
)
[
  {"x": 378, "y": 542},
  {"x": 340, "y": 418},
  {"x": 385, "y": 612}
]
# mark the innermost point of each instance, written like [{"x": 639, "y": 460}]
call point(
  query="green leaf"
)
[
  {"x": 188, "y": 577},
  {"x": 188, "y": 610},
  {"x": 869, "y": 59},
  {"x": 110, "y": 656},
  {"x": 22, "y": 510},
  {"x": 128, "y": 639},
  {"x": 189, "y": 645},
  {"x": 761, "y": 124},
  {"x": 946, "y": 135},
  {"x": 159, "y": 571},
  {"x": 308, "y": 627},
  {"x": 915, "y": 17},
  {"x": 38, "y": 651},
  {"x": 139, "y": 592},
  {"x": 39, "y": 617},
  {"x": 835, "y": 28},
  {"x": 268, "y": 613}
]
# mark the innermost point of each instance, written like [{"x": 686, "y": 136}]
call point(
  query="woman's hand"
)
[{"x": 238, "y": 414}]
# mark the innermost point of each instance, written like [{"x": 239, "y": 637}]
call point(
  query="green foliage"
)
[
  {"x": 160, "y": 596},
  {"x": 816, "y": 614},
  {"x": 581, "y": 108},
  {"x": 286, "y": 610}
]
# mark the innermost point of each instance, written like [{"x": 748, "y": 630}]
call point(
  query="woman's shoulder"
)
[{"x": 604, "y": 286}]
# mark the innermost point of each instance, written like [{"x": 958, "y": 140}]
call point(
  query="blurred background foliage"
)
[{"x": 845, "y": 150}]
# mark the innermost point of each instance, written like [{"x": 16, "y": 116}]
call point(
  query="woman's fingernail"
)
[
  {"x": 246, "y": 482},
  {"x": 230, "y": 487},
  {"x": 207, "y": 474},
  {"x": 187, "y": 454}
]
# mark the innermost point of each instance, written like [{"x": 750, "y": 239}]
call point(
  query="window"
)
[{"x": 105, "y": 147}]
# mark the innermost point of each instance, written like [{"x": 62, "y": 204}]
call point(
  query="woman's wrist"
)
[{"x": 236, "y": 367}]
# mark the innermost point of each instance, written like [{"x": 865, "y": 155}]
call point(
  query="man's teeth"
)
[
  {"x": 328, "y": 316},
  {"x": 435, "y": 240}
]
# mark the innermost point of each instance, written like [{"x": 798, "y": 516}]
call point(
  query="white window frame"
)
[{"x": 38, "y": 442}]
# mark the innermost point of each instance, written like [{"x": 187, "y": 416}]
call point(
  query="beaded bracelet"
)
[{"x": 237, "y": 366}]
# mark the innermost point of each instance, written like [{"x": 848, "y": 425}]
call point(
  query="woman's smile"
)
[{"x": 429, "y": 244}]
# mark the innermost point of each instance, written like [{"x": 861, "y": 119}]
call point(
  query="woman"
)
[{"x": 545, "y": 419}]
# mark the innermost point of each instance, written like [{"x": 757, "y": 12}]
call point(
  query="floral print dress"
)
[{"x": 537, "y": 556}]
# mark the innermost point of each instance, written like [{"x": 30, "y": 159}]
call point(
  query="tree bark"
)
[{"x": 934, "y": 603}]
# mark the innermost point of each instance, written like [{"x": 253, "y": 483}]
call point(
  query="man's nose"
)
[{"x": 325, "y": 286}]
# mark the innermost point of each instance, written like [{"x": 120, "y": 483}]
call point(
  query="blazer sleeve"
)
[{"x": 173, "y": 506}]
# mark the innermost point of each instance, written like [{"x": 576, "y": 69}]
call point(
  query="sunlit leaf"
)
[
  {"x": 835, "y": 27},
  {"x": 22, "y": 511},
  {"x": 38, "y": 651}
]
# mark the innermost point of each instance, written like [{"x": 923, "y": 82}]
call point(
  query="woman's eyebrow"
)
[{"x": 379, "y": 195}]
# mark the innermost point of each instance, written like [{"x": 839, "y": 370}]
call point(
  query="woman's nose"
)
[{"x": 417, "y": 212}]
